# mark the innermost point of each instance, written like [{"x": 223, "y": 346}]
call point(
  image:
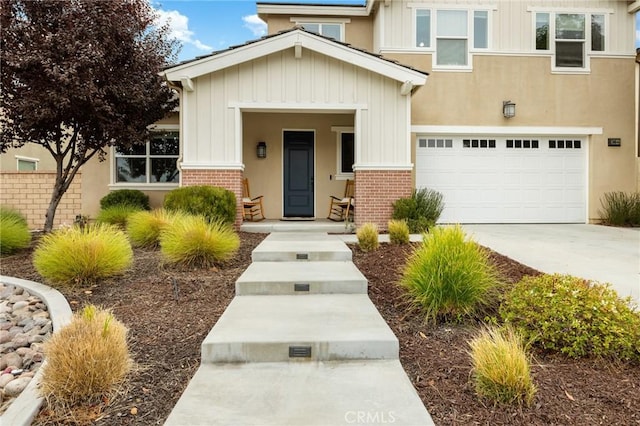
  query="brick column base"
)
[
  {"x": 228, "y": 179},
  {"x": 376, "y": 190}
]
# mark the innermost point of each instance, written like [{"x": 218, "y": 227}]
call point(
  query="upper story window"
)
[
  {"x": 570, "y": 37},
  {"x": 331, "y": 30},
  {"x": 328, "y": 27},
  {"x": 453, "y": 33},
  {"x": 153, "y": 162}
]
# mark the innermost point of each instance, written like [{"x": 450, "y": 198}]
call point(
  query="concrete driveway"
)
[{"x": 592, "y": 252}]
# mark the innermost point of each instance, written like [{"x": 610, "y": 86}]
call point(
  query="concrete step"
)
[
  {"x": 292, "y": 328},
  {"x": 301, "y": 278},
  {"x": 300, "y": 247},
  {"x": 314, "y": 394}
]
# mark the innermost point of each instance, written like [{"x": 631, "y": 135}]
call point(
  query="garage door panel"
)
[{"x": 506, "y": 185}]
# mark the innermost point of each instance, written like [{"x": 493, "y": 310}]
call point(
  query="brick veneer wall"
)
[
  {"x": 30, "y": 194},
  {"x": 376, "y": 190},
  {"x": 229, "y": 179}
]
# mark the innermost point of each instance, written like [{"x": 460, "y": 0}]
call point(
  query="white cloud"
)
[
  {"x": 179, "y": 28},
  {"x": 256, "y": 25}
]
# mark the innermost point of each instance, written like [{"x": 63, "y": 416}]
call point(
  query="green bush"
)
[
  {"x": 368, "y": 237},
  {"x": 80, "y": 256},
  {"x": 421, "y": 211},
  {"x": 621, "y": 209},
  {"x": 86, "y": 359},
  {"x": 398, "y": 231},
  {"x": 130, "y": 197},
  {"x": 501, "y": 368},
  {"x": 14, "y": 231},
  {"x": 193, "y": 241},
  {"x": 117, "y": 215},
  {"x": 573, "y": 316},
  {"x": 144, "y": 227},
  {"x": 449, "y": 277},
  {"x": 214, "y": 203}
]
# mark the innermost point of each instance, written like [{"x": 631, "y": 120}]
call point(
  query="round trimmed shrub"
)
[
  {"x": 213, "y": 203},
  {"x": 117, "y": 215},
  {"x": 576, "y": 317},
  {"x": 193, "y": 241},
  {"x": 130, "y": 197},
  {"x": 86, "y": 359},
  {"x": 14, "y": 231},
  {"x": 450, "y": 277},
  {"x": 80, "y": 256}
]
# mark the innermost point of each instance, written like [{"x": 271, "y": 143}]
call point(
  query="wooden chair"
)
[
  {"x": 342, "y": 208},
  {"x": 251, "y": 207}
]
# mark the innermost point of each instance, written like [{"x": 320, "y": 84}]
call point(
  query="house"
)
[
  {"x": 510, "y": 109},
  {"x": 518, "y": 112}
]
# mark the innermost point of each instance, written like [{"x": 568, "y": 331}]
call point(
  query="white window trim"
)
[
  {"x": 339, "y": 130},
  {"x": 468, "y": 38},
  {"x": 433, "y": 35},
  {"x": 26, "y": 160},
  {"x": 301, "y": 20},
  {"x": 588, "y": 53},
  {"x": 152, "y": 186},
  {"x": 414, "y": 36}
]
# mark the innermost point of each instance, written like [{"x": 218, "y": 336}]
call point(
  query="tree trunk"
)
[{"x": 59, "y": 189}]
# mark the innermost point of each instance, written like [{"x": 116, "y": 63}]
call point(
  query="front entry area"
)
[{"x": 298, "y": 179}]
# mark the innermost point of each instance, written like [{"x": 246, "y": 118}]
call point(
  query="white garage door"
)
[{"x": 504, "y": 179}]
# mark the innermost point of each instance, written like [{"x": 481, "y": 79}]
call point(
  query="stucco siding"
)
[
  {"x": 31, "y": 151},
  {"x": 358, "y": 30},
  {"x": 543, "y": 99},
  {"x": 280, "y": 82}
]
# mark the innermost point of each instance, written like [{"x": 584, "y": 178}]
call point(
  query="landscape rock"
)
[
  {"x": 16, "y": 386},
  {"x": 5, "y": 378},
  {"x": 12, "y": 359}
]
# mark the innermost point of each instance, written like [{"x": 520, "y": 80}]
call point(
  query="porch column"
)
[{"x": 375, "y": 192}]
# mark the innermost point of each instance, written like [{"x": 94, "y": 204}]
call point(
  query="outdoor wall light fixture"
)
[
  {"x": 508, "y": 109},
  {"x": 261, "y": 149}
]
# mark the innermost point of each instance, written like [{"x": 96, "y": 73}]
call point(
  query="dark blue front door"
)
[{"x": 298, "y": 174}]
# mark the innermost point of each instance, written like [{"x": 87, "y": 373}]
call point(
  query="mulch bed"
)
[{"x": 169, "y": 311}]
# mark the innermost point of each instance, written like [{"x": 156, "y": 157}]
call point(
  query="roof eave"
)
[
  {"x": 313, "y": 9},
  {"x": 289, "y": 39}
]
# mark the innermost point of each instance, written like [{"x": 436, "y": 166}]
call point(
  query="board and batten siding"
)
[
  {"x": 278, "y": 82},
  {"x": 512, "y": 22}
]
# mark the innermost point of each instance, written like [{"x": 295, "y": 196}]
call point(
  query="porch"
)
[{"x": 274, "y": 225}]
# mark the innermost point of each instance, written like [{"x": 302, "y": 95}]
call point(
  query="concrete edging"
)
[{"x": 25, "y": 407}]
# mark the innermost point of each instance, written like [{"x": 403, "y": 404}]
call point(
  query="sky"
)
[{"x": 204, "y": 26}]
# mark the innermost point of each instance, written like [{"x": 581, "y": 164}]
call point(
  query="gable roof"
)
[{"x": 292, "y": 38}]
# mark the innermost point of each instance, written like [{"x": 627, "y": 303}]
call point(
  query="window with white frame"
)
[
  {"x": 345, "y": 150},
  {"x": 26, "y": 164},
  {"x": 570, "y": 37},
  {"x": 328, "y": 29},
  {"x": 455, "y": 33},
  {"x": 153, "y": 162}
]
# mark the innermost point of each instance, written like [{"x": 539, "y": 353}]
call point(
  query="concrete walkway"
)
[
  {"x": 594, "y": 252},
  {"x": 300, "y": 344}
]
